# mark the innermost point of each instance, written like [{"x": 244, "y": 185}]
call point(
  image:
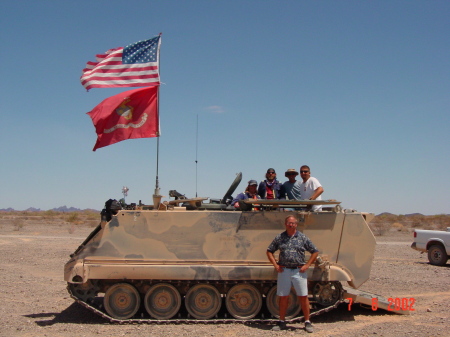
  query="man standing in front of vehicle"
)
[{"x": 292, "y": 269}]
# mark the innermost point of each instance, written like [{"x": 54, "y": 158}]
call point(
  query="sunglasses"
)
[
  {"x": 270, "y": 172},
  {"x": 304, "y": 171},
  {"x": 291, "y": 174}
]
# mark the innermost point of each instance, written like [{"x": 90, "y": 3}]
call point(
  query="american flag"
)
[{"x": 136, "y": 65}]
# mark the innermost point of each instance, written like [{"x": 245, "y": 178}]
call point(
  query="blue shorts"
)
[{"x": 292, "y": 278}]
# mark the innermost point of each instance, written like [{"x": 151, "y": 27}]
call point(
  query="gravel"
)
[{"x": 34, "y": 300}]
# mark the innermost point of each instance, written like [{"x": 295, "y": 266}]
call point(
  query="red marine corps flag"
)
[{"x": 128, "y": 115}]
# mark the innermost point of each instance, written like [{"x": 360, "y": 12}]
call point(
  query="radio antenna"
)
[{"x": 196, "y": 156}]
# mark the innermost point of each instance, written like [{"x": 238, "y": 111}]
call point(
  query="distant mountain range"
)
[
  {"x": 412, "y": 214},
  {"x": 58, "y": 209}
]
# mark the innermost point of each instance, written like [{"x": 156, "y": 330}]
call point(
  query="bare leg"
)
[
  {"x": 304, "y": 302},
  {"x": 283, "y": 306}
]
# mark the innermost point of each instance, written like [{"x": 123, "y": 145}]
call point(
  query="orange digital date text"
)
[{"x": 395, "y": 304}]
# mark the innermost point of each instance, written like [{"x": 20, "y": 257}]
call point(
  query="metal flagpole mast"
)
[
  {"x": 157, "y": 158},
  {"x": 196, "y": 156},
  {"x": 157, "y": 195}
]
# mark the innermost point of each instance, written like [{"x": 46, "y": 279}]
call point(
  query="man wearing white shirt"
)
[{"x": 310, "y": 188}]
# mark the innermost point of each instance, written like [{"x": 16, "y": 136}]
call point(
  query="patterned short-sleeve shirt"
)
[{"x": 292, "y": 248}]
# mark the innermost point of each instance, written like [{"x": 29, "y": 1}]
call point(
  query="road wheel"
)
[
  {"x": 162, "y": 301},
  {"x": 327, "y": 293},
  {"x": 203, "y": 301},
  {"x": 122, "y": 301},
  {"x": 243, "y": 301},
  {"x": 272, "y": 302},
  {"x": 437, "y": 255}
]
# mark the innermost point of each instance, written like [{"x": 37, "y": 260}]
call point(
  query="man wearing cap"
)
[
  {"x": 270, "y": 188},
  {"x": 250, "y": 193},
  {"x": 292, "y": 186}
]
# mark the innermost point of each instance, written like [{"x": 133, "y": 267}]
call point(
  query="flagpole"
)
[
  {"x": 157, "y": 195},
  {"x": 196, "y": 156}
]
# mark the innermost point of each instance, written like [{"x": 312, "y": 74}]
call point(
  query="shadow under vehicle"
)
[{"x": 190, "y": 261}]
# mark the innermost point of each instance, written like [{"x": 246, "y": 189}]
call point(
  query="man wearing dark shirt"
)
[
  {"x": 270, "y": 188},
  {"x": 250, "y": 193},
  {"x": 292, "y": 268}
]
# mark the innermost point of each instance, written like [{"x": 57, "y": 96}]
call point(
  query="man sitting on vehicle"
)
[
  {"x": 292, "y": 186},
  {"x": 270, "y": 188},
  {"x": 310, "y": 188},
  {"x": 250, "y": 193}
]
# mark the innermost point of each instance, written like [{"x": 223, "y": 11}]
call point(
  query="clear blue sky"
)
[{"x": 357, "y": 90}]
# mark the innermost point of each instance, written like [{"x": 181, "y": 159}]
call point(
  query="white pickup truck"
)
[{"x": 436, "y": 243}]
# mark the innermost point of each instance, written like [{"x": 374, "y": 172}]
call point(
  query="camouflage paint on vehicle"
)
[{"x": 176, "y": 244}]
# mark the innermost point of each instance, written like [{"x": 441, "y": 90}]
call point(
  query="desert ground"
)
[{"x": 34, "y": 300}]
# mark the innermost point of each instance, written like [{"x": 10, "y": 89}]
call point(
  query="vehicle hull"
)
[{"x": 218, "y": 245}]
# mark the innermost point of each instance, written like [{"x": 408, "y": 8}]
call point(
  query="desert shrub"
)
[
  {"x": 33, "y": 213},
  {"x": 18, "y": 223},
  {"x": 427, "y": 225},
  {"x": 399, "y": 227},
  {"x": 436, "y": 222},
  {"x": 92, "y": 215},
  {"x": 73, "y": 218},
  {"x": 390, "y": 218},
  {"x": 50, "y": 214},
  {"x": 418, "y": 220},
  {"x": 381, "y": 228},
  {"x": 384, "y": 222},
  {"x": 381, "y": 224},
  {"x": 440, "y": 221}
]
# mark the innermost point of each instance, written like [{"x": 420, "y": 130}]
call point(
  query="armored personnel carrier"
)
[{"x": 188, "y": 260}]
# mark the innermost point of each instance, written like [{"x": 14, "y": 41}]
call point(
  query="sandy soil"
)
[{"x": 34, "y": 300}]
